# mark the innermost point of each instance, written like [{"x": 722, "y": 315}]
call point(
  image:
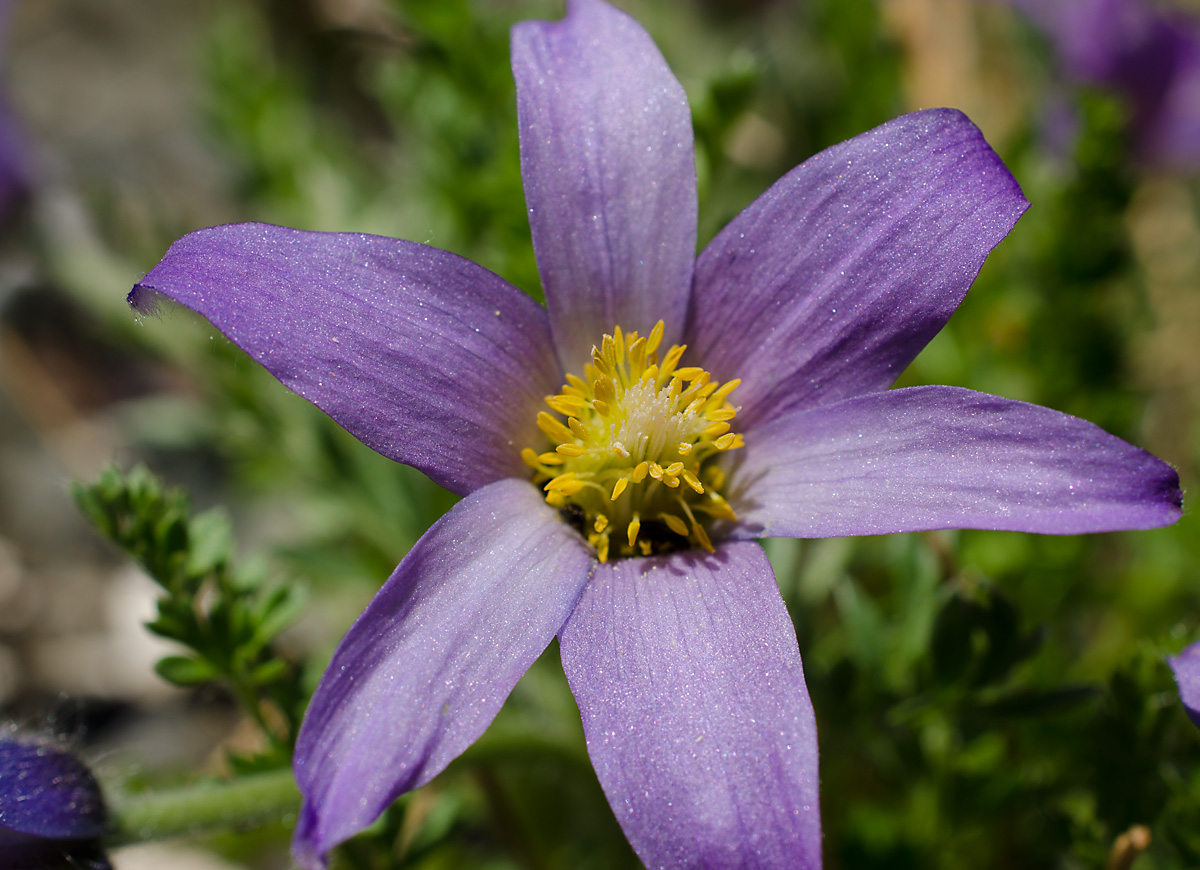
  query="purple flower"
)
[
  {"x": 1186, "y": 666},
  {"x": 51, "y": 810},
  {"x": 1150, "y": 57},
  {"x": 625, "y": 521},
  {"x": 14, "y": 158}
]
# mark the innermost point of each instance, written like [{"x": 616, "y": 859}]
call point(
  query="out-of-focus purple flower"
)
[
  {"x": 625, "y": 521},
  {"x": 14, "y": 155},
  {"x": 51, "y": 809},
  {"x": 1186, "y": 666},
  {"x": 1150, "y": 56}
]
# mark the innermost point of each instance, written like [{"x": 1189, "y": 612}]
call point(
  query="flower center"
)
[{"x": 632, "y": 469}]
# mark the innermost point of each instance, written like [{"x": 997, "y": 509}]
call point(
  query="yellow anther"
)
[
  {"x": 692, "y": 481},
  {"x": 551, "y": 459},
  {"x": 697, "y": 387},
  {"x": 575, "y": 392},
  {"x": 618, "y": 488},
  {"x": 650, "y": 373},
  {"x": 553, "y": 429},
  {"x": 656, "y": 470},
  {"x": 672, "y": 482},
  {"x": 578, "y": 428},
  {"x": 689, "y": 373},
  {"x": 609, "y": 351},
  {"x": 557, "y": 483},
  {"x": 570, "y": 488},
  {"x": 618, "y": 341},
  {"x": 600, "y": 542},
  {"x": 720, "y": 415},
  {"x": 685, "y": 447},
  {"x": 618, "y": 449},
  {"x": 675, "y": 524},
  {"x": 631, "y": 531},
  {"x": 729, "y": 441},
  {"x": 570, "y": 449},
  {"x": 577, "y": 383},
  {"x": 715, "y": 430},
  {"x": 667, "y": 366},
  {"x": 601, "y": 523},
  {"x": 726, "y": 388},
  {"x": 602, "y": 390},
  {"x": 566, "y": 405},
  {"x": 673, "y": 469},
  {"x": 639, "y": 471},
  {"x": 717, "y": 507},
  {"x": 655, "y": 338},
  {"x": 637, "y": 356},
  {"x": 599, "y": 363},
  {"x": 530, "y": 457},
  {"x": 601, "y": 407}
]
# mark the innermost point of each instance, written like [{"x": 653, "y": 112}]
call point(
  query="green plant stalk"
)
[{"x": 237, "y": 804}]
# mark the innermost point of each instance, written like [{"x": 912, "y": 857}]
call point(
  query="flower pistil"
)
[{"x": 631, "y": 468}]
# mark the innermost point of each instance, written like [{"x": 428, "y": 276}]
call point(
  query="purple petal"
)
[
  {"x": 698, "y": 722},
  {"x": 427, "y": 666},
  {"x": 944, "y": 457},
  {"x": 610, "y": 175},
  {"x": 1186, "y": 666},
  {"x": 426, "y": 357},
  {"x": 47, "y": 793},
  {"x": 829, "y": 284}
]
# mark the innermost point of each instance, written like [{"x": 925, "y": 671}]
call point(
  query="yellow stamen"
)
[
  {"x": 726, "y": 388},
  {"x": 553, "y": 429},
  {"x": 655, "y": 337},
  {"x": 675, "y": 524},
  {"x": 566, "y": 405},
  {"x": 632, "y": 437}
]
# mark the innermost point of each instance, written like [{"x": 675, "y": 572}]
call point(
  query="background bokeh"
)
[{"x": 983, "y": 699}]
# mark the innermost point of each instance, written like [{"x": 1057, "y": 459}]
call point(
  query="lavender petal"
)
[{"x": 697, "y": 718}]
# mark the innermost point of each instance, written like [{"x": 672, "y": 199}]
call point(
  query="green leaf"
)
[
  {"x": 185, "y": 671},
  {"x": 210, "y": 538}
]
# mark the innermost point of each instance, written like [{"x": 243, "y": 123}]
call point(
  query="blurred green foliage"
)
[
  {"x": 228, "y": 619},
  {"x": 983, "y": 699}
]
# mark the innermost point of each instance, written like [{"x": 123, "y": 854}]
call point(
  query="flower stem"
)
[{"x": 207, "y": 806}]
